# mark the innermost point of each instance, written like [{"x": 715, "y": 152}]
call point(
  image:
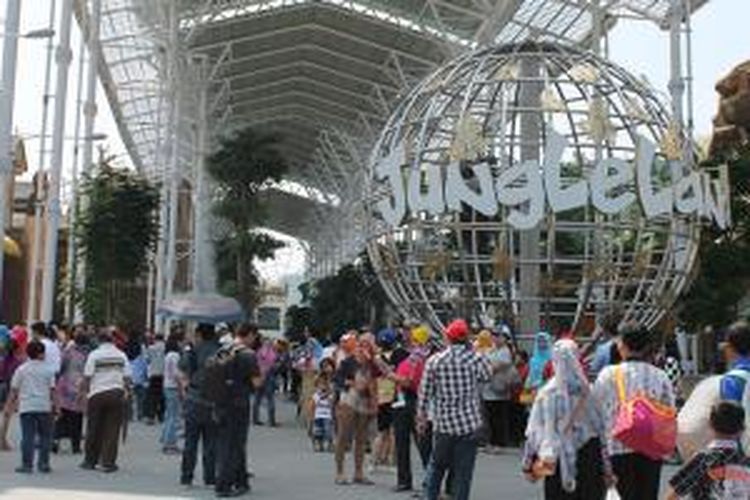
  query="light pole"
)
[
  {"x": 31, "y": 306},
  {"x": 89, "y": 113},
  {"x": 53, "y": 194},
  {"x": 10, "y": 57}
]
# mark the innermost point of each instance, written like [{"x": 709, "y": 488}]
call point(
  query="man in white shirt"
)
[
  {"x": 106, "y": 382},
  {"x": 33, "y": 394},
  {"x": 52, "y": 355}
]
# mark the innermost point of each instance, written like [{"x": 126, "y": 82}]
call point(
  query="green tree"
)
[
  {"x": 116, "y": 230},
  {"x": 351, "y": 298},
  {"x": 246, "y": 163},
  {"x": 724, "y": 271}
]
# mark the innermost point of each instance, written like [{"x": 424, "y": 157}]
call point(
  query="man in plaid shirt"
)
[{"x": 449, "y": 393}]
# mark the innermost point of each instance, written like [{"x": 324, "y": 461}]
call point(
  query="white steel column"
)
[
  {"x": 34, "y": 253},
  {"x": 89, "y": 113},
  {"x": 174, "y": 194},
  {"x": 200, "y": 191},
  {"x": 63, "y": 57},
  {"x": 169, "y": 194},
  {"x": 7, "y": 92},
  {"x": 70, "y": 297},
  {"x": 676, "y": 82}
]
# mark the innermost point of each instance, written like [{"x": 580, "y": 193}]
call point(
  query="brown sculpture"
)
[{"x": 732, "y": 124}]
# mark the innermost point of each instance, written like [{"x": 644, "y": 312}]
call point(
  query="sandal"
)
[{"x": 363, "y": 481}]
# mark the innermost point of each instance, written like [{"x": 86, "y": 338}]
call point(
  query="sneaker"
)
[
  {"x": 44, "y": 469},
  {"x": 87, "y": 466},
  {"x": 110, "y": 468},
  {"x": 228, "y": 494},
  {"x": 24, "y": 470}
]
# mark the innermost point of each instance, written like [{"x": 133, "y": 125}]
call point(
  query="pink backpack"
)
[{"x": 649, "y": 427}]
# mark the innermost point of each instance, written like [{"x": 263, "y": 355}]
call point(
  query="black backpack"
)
[{"x": 218, "y": 378}]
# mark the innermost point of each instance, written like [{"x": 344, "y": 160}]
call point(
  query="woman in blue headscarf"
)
[{"x": 540, "y": 358}]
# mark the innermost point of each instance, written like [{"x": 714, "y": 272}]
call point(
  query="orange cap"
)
[{"x": 348, "y": 343}]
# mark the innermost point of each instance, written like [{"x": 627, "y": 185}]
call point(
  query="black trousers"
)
[
  {"x": 106, "y": 412},
  {"x": 498, "y": 421},
  {"x": 155, "y": 398},
  {"x": 589, "y": 477},
  {"x": 231, "y": 448},
  {"x": 404, "y": 428},
  {"x": 519, "y": 416},
  {"x": 638, "y": 476},
  {"x": 200, "y": 427},
  {"x": 70, "y": 425}
]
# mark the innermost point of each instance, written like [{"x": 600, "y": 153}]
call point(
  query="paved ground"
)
[{"x": 285, "y": 467}]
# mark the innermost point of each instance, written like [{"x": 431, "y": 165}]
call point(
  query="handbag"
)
[{"x": 649, "y": 427}]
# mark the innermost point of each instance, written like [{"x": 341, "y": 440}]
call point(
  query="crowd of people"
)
[{"x": 588, "y": 419}]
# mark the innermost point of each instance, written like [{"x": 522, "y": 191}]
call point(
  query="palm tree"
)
[{"x": 246, "y": 163}]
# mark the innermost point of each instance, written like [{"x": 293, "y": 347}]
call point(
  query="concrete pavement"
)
[{"x": 286, "y": 468}]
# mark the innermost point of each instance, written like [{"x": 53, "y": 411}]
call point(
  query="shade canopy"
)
[{"x": 204, "y": 308}]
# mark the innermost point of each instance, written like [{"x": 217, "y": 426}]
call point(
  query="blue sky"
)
[{"x": 721, "y": 40}]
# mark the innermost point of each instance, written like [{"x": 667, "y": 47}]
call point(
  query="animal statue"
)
[{"x": 732, "y": 123}]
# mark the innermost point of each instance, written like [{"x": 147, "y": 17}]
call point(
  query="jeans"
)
[
  {"x": 231, "y": 448},
  {"x": 139, "y": 399},
  {"x": 323, "y": 430},
  {"x": 36, "y": 426},
  {"x": 172, "y": 412},
  {"x": 455, "y": 454},
  {"x": 199, "y": 426},
  {"x": 267, "y": 392}
]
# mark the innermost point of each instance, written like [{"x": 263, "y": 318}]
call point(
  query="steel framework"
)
[{"x": 324, "y": 73}]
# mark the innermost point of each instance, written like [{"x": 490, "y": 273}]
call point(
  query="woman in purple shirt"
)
[{"x": 70, "y": 423}]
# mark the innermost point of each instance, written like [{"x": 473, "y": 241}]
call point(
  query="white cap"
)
[{"x": 225, "y": 339}]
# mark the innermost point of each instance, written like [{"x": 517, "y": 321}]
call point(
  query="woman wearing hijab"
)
[
  {"x": 565, "y": 436},
  {"x": 539, "y": 361}
]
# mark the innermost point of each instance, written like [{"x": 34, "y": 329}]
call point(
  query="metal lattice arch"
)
[
  {"x": 498, "y": 106},
  {"x": 326, "y": 74}
]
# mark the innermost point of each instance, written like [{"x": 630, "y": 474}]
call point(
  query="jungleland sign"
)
[{"x": 527, "y": 187}]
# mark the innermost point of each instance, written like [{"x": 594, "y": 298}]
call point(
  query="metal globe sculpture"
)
[{"x": 536, "y": 184}]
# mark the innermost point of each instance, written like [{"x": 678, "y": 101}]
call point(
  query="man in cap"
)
[{"x": 450, "y": 389}]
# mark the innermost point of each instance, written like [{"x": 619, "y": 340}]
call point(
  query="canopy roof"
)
[{"x": 325, "y": 74}]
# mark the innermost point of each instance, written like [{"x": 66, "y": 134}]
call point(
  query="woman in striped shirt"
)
[{"x": 638, "y": 476}]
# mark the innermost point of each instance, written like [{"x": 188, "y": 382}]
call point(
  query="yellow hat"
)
[
  {"x": 484, "y": 340},
  {"x": 420, "y": 335}
]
